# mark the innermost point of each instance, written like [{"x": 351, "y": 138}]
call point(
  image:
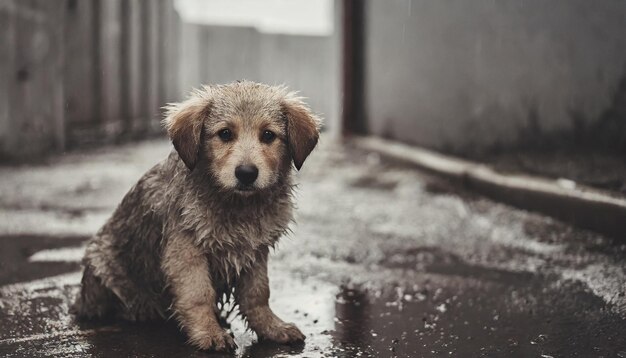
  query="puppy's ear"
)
[
  {"x": 184, "y": 122},
  {"x": 302, "y": 128}
]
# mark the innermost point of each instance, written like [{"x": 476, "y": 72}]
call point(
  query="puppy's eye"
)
[
  {"x": 268, "y": 136},
  {"x": 225, "y": 134}
]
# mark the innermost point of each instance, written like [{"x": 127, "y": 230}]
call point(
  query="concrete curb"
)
[{"x": 582, "y": 206}]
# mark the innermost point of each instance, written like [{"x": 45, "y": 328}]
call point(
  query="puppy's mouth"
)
[{"x": 245, "y": 188}]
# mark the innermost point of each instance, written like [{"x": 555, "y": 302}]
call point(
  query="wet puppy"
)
[{"x": 198, "y": 226}]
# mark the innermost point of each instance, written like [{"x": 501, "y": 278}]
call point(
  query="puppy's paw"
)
[
  {"x": 284, "y": 333},
  {"x": 219, "y": 341}
]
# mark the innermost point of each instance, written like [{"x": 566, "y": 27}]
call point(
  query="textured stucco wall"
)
[{"x": 467, "y": 75}]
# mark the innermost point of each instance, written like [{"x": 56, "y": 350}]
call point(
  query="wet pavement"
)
[{"x": 384, "y": 261}]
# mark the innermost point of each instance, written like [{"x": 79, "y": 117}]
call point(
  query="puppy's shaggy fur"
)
[{"x": 197, "y": 226}]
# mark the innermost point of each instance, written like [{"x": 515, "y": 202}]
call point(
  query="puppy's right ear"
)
[{"x": 184, "y": 122}]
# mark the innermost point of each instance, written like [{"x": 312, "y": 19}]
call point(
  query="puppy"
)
[{"x": 198, "y": 226}]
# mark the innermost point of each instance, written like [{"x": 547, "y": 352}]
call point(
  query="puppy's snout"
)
[{"x": 246, "y": 174}]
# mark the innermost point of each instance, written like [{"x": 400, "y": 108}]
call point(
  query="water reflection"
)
[
  {"x": 352, "y": 321},
  {"x": 270, "y": 349},
  {"x": 508, "y": 318}
]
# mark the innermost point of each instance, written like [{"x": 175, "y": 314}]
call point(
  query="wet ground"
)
[{"x": 384, "y": 261}]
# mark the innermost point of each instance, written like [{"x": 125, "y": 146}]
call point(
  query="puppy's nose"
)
[{"x": 246, "y": 174}]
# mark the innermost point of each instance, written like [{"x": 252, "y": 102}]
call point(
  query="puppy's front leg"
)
[
  {"x": 252, "y": 294},
  {"x": 186, "y": 271}
]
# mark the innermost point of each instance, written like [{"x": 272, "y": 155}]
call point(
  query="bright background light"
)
[{"x": 295, "y": 17}]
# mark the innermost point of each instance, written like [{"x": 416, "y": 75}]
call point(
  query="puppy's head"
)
[{"x": 247, "y": 133}]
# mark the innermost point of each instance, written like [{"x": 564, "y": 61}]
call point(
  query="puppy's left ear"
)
[
  {"x": 184, "y": 122},
  {"x": 302, "y": 128}
]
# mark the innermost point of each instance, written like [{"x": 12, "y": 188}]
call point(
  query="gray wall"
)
[
  {"x": 222, "y": 54},
  {"x": 464, "y": 76},
  {"x": 31, "y": 77},
  {"x": 75, "y": 72}
]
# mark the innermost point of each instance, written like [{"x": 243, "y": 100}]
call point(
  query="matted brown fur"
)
[{"x": 187, "y": 233}]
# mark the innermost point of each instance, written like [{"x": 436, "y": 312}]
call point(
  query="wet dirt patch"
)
[
  {"x": 61, "y": 210},
  {"x": 16, "y": 249},
  {"x": 373, "y": 182}
]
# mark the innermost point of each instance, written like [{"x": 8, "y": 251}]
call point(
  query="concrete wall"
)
[
  {"x": 222, "y": 54},
  {"x": 84, "y": 72},
  {"x": 79, "y": 44},
  {"x": 465, "y": 76},
  {"x": 109, "y": 77},
  {"x": 76, "y": 72},
  {"x": 31, "y": 77}
]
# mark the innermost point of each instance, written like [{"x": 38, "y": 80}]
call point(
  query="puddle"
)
[
  {"x": 36, "y": 323},
  {"x": 490, "y": 321},
  {"x": 15, "y": 265},
  {"x": 452, "y": 308}
]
